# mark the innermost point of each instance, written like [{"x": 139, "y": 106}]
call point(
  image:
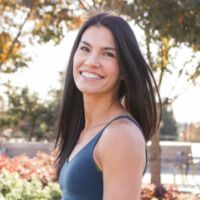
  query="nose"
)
[{"x": 92, "y": 60}]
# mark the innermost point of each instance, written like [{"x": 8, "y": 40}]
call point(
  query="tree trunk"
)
[
  {"x": 155, "y": 159},
  {"x": 32, "y": 130}
]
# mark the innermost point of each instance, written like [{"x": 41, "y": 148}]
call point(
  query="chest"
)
[{"x": 80, "y": 176}]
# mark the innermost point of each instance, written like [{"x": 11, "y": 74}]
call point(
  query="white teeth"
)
[{"x": 90, "y": 75}]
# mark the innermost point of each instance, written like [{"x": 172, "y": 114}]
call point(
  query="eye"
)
[
  {"x": 84, "y": 48},
  {"x": 109, "y": 54}
]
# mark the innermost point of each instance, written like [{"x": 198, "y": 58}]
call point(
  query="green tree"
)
[
  {"x": 27, "y": 113},
  {"x": 168, "y": 129},
  {"x": 168, "y": 18}
]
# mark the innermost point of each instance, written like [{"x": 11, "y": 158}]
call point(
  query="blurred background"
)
[{"x": 36, "y": 37}]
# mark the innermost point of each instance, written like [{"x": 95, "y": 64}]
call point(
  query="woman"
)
[{"x": 107, "y": 114}]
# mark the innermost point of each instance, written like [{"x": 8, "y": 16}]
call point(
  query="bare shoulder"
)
[
  {"x": 122, "y": 140},
  {"x": 124, "y": 132}
]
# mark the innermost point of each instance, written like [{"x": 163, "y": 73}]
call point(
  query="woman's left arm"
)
[{"x": 123, "y": 161}]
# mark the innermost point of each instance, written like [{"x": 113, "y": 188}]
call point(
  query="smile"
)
[{"x": 89, "y": 75}]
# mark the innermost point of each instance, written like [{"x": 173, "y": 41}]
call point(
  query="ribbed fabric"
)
[{"x": 80, "y": 178}]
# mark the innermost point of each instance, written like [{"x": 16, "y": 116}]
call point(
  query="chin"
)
[{"x": 89, "y": 91}]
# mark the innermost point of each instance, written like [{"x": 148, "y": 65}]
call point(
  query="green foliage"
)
[
  {"x": 168, "y": 129},
  {"x": 35, "y": 118},
  {"x": 176, "y": 19},
  {"x": 13, "y": 187}
]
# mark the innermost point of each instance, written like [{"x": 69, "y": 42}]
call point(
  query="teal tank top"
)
[{"x": 80, "y": 178}]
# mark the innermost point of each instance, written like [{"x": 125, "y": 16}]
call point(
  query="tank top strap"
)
[
  {"x": 116, "y": 118},
  {"x": 123, "y": 116}
]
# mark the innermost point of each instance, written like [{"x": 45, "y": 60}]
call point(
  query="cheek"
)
[{"x": 115, "y": 71}]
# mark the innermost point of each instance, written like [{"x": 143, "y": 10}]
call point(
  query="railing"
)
[{"x": 183, "y": 164}]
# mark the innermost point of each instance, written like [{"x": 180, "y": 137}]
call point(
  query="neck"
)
[{"x": 99, "y": 110}]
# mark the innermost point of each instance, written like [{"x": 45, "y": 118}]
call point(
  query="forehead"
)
[{"x": 98, "y": 35}]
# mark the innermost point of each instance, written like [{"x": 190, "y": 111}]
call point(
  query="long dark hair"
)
[{"x": 138, "y": 88}]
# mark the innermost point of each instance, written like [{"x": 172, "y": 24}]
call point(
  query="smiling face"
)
[{"x": 95, "y": 65}]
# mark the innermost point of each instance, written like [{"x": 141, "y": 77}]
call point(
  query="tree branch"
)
[
  {"x": 16, "y": 38},
  {"x": 84, "y": 5},
  {"x": 148, "y": 41},
  {"x": 169, "y": 100},
  {"x": 164, "y": 48}
]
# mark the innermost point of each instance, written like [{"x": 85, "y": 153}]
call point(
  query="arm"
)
[{"x": 122, "y": 159}]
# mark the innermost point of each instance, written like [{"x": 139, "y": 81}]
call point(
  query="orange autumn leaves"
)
[{"x": 8, "y": 49}]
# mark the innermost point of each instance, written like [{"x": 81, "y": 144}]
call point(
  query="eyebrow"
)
[{"x": 105, "y": 48}]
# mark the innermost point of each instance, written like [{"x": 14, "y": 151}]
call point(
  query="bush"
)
[
  {"x": 13, "y": 187},
  {"x": 41, "y": 166},
  {"x": 24, "y": 178},
  {"x": 160, "y": 192}
]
